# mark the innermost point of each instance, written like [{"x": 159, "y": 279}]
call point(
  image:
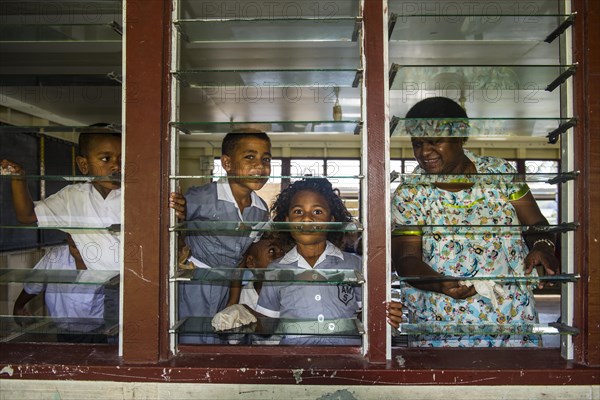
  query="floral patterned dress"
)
[{"x": 452, "y": 248}]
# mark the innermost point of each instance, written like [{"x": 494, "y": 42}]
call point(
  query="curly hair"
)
[{"x": 339, "y": 212}]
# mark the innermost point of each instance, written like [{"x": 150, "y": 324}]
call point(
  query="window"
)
[
  {"x": 438, "y": 49},
  {"x": 48, "y": 97},
  {"x": 547, "y": 195},
  {"x": 310, "y": 107},
  {"x": 147, "y": 268}
]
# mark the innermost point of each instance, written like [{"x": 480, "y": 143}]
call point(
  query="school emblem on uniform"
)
[{"x": 345, "y": 293}]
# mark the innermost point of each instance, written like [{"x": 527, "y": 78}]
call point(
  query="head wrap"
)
[{"x": 437, "y": 116}]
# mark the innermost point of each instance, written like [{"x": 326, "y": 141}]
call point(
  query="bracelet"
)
[{"x": 546, "y": 241}]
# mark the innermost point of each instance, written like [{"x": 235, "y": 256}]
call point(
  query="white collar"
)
[
  {"x": 293, "y": 256},
  {"x": 224, "y": 193}
]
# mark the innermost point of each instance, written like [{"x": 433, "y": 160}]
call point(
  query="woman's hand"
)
[
  {"x": 456, "y": 290},
  {"x": 394, "y": 314},
  {"x": 542, "y": 255},
  {"x": 542, "y": 246}
]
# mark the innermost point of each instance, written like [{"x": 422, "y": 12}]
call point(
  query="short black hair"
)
[
  {"x": 322, "y": 186},
  {"x": 87, "y": 137},
  {"x": 437, "y": 107},
  {"x": 231, "y": 140},
  {"x": 268, "y": 235}
]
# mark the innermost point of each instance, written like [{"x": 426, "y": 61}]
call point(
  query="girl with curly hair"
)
[
  {"x": 321, "y": 304},
  {"x": 321, "y": 186}
]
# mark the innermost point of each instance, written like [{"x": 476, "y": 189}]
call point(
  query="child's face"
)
[
  {"x": 103, "y": 159},
  {"x": 309, "y": 206},
  {"x": 251, "y": 157},
  {"x": 263, "y": 252}
]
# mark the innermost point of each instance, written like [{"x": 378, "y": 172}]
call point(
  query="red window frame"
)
[{"x": 145, "y": 347}]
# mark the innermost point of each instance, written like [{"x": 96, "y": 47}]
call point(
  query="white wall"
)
[{"x": 28, "y": 389}]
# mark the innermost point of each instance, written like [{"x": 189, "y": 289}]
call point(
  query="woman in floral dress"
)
[{"x": 433, "y": 216}]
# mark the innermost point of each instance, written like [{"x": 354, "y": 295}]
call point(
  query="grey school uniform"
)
[
  {"x": 224, "y": 249},
  {"x": 323, "y": 305}
]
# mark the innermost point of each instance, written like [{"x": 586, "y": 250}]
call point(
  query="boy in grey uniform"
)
[
  {"x": 246, "y": 157},
  {"x": 320, "y": 308}
]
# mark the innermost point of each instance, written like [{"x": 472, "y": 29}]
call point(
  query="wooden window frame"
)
[{"x": 145, "y": 350}]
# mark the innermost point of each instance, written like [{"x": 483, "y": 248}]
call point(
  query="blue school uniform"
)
[
  {"x": 321, "y": 307},
  {"x": 223, "y": 249}
]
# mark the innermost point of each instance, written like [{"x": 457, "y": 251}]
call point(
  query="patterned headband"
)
[{"x": 457, "y": 127}]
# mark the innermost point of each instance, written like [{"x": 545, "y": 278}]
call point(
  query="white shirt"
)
[
  {"x": 67, "y": 300},
  {"x": 224, "y": 193},
  {"x": 248, "y": 296},
  {"x": 81, "y": 205},
  {"x": 293, "y": 256}
]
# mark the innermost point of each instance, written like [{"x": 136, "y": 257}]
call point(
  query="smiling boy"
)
[{"x": 246, "y": 157}]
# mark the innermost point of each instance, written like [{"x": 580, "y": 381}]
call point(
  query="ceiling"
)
[{"x": 61, "y": 60}]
